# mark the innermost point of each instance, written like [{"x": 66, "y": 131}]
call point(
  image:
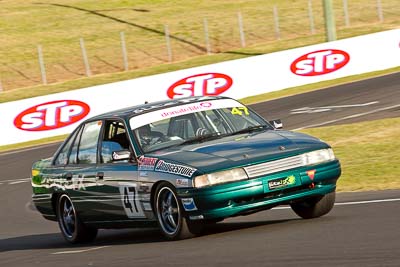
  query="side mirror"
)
[
  {"x": 277, "y": 124},
  {"x": 121, "y": 155}
]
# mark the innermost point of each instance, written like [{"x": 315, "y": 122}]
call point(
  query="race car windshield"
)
[{"x": 192, "y": 126}]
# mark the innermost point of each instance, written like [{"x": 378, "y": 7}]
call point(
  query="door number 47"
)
[
  {"x": 131, "y": 201},
  {"x": 127, "y": 201}
]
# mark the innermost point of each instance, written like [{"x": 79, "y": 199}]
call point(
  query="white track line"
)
[
  {"x": 335, "y": 107},
  {"x": 14, "y": 180},
  {"x": 17, "y": 182},
  {"x": 78, "y": 251},
  {"x": 348, "y": 117},
  {"x": 352, "y": 203},
  {"x": 367, "y": 201}
]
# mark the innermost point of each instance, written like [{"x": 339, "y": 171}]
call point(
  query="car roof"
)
[{"x": 148, "y": 107}]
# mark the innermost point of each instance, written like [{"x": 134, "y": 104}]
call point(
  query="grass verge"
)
[
  {"x": 58, "y": 26},
  {"x": 368, "y": 152}
]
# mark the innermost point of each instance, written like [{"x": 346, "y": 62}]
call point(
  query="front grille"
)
[{"x": 274, "y": 166}]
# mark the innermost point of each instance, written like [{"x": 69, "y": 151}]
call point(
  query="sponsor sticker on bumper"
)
[
  {"x": 188, "y": 204},
  {"x": 282, "y": 182}
]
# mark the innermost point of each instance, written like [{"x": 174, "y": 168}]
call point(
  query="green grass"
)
[
  {"x": 58, "y": 25},
  {"x": 368, "y": 152}
]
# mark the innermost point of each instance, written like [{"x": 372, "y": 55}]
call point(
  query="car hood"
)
[{"x": 240, "y": 150}]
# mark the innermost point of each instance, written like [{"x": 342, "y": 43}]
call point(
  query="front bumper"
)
[{"x": 245, "y": 197}]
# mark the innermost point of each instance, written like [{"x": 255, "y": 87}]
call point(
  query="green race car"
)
[{"x": 181, "y": 164}]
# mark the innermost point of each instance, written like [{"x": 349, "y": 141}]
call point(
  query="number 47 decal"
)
[
  {"x": 127, "y": 201},
  {"x": 130, "y": 200},
  {"x": 240, "y": 111}
]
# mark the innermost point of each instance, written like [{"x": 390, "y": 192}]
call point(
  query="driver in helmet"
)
[{"x": 146, "y": 137}]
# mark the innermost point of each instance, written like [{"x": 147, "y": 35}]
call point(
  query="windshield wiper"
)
[
  {"x": 250, "y": 129},
  {"x": 202, "y": 138}
]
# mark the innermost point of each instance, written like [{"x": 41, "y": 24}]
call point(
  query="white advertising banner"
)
[{"x": 57, "y": 114}]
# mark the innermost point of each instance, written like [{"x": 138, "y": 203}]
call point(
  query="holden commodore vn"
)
[{"x": 180, "y": 164}]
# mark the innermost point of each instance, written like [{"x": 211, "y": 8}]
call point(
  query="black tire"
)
[
  {"x": 72, "y": 228},
  {"x": 170, "y": 215},
  {"x": 314, "y": 207}
]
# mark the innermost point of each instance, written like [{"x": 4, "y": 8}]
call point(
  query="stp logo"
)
[
  {"x": 320, "y": 62},
  {"x": 200, "y": 85},
  {"x": 51, "y": 115}
]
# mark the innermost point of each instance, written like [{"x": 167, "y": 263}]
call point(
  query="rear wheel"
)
[
  {"x": 314, "y": 207},
  {"x": 73, "y": 230},
  {"x": 170, "y": 216}
]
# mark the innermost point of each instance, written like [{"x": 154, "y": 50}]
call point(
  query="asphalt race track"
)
[
  {"x": 362, "y": 229},
  {"x": 359, "y": 101}
]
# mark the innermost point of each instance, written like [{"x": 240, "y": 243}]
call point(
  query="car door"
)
[
  {"x": 117, "y": 183},
  {"x": 81, "y": 171}
]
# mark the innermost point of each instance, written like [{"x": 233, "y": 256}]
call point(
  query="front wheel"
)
[
  {"x": 314, "y": 207},
  {"x": 73, "y": 230},
  {"x": 169, "y": 213}
]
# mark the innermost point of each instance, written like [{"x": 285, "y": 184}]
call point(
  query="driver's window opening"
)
[{"x": 115, "y": 139}]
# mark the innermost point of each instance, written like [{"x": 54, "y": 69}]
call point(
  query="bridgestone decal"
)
[{"x": 163, "y": 166}]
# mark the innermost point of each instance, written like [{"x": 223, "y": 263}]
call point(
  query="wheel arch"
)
[
  {"x": 54, "y": 199},
  {"x": 153, "y": 191}
]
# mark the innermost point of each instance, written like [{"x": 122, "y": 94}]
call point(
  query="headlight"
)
[
  {"x": 220, "y": 177},
  {"x": 318, "y": 156}
]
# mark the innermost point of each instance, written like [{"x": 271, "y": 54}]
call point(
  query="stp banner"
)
[{"x": 57, "y": 114}]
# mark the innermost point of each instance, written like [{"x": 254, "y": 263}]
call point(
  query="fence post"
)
[
  {"x": 379, "y": 10},
  {"x": 241, "y": 31},
  {"x": 330, "y": 27},
  {"x": 276, "y": 22},
  {"x": 311, "y": 16},
  {"x": 41, "y": 65},
  {"x": 168, "y": 43},
  {"x": 346, "y": 13},
  {"x": 206, "y": 36},
  {"x": 124, "y": 53},
  {"x": 85, "y": 58}
]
